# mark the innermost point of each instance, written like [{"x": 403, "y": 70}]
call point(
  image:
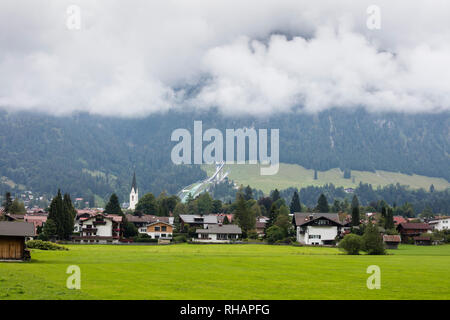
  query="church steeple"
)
[
  {"x": 134, "y": 194},
  {"x": 133, "y": 184}
]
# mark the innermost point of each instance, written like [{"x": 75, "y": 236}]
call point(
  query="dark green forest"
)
[{"x": 84, "y": 154}]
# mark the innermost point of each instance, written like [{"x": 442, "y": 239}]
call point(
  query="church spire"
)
[{"x": 133, "y": 184}]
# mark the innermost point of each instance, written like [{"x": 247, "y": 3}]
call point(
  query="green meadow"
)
[
  {"x": 246, "y": 271},
  {"x": 292, "y": 175}
]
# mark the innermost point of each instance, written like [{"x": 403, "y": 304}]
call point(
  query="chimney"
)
[{"x": 311, "y": 217}]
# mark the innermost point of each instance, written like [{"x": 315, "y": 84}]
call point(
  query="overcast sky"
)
[{"x": 132, "y": 58}]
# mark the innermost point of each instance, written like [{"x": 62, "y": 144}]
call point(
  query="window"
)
[
  {"x": 323, "y": 222},
  {"x": 314, "y": 236},
  {"x": 221, "y": 236},
  {"x": 204, "y": 236},
  {"x": 164, "y": 228},
  {"x": 163, "y": 235},
  {"x": 156, "y": 228}
]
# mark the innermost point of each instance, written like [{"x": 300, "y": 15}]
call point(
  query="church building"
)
[{"x": 134, "y": 194}]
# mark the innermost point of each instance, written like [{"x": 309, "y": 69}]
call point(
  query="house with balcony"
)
[
  {"x": 440, "y": 224},
  {"x": 410, "y": 230},
  {"x": 143, "y": 221},
  {"x": 98, "y": 228},
  {"x": 198, "y": 220},
  {"x": 160, "y": 230},
  {"x": 317, "y": 228},
  {"x": 218, "y": 233}
]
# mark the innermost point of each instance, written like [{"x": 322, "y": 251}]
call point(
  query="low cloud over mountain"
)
[{"x": 248, "y": 57}]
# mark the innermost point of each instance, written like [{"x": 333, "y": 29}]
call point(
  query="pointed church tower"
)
[{"x": 134, "y": 194}]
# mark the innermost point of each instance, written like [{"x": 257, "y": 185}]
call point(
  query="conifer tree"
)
[
  {"x": 8, "y": 202},
  {"x": 275, "y": 195},
  {"x": 295, "y": 205},
  {"x": 322, "y": 204},
  {"x": 355, "y": 211},
  {"x": 113, "y": 206}
]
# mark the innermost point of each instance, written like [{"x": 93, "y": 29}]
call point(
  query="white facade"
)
[
  {"x": 96, "y": 230},
  {"x": 316, "y": 235},
  {"x": 216, "y": 238},
  {"x": 134, "y": 196},
  {"x": 441, "y": 224}
]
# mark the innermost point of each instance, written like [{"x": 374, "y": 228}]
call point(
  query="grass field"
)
[
  {"x": 227, "y": 272},
  {"x": 292, "y": 175}
]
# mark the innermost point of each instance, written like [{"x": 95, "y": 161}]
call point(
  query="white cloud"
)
[{"x": 132, "y": 60}]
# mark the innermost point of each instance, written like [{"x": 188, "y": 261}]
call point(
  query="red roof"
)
[
  {"x": 391, "y": 238},
  {"x": 399, "y": 219}
]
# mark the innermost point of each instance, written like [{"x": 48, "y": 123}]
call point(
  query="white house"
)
[
  {"x": 440, "y": 224},
  {"x": 99, "y": 228},
  {"x": 218, "y": 233},
  {"x": 317, "y": 228}
]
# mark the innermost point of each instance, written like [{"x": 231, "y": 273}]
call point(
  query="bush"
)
[
  {"x": 252, "y": 235},
  {"x": 273, "y": 234},
  {"x": 180, "y": 238},
  {"x": 351, "y": 244},
  {"x": 44, "y": 245},
  {"x": 144, "y": 238}
]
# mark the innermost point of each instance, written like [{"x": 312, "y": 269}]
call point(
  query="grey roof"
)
[
  {"x": 8, "y": 228},
  {"x": 301, "y": 218},
  {"x": 191, "y": 218},
  {"x": 147, "y": 218},
  {"x": 221, "y": 228}
]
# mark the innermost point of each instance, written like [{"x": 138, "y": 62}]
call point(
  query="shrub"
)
[
  {"x": 180, "y": 238},
  {"x": 44, "y": 245},
  {"x": 351, "y": 244},
  {"x": 274, "y": 233},
  {"x": 144, "y": 238},
  {"x": 252, "y": 235}
]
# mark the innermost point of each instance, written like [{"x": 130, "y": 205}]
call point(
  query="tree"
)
[
  {"x": 17, "y": 207},
  {"x": 273, "y": 213},
  {"x": 336, "y": 206},
  {"x": 8, "y": 202},
  {"x": 243, "y": 215},
  {"x": 322, "y": 204},
  {"x": 129, "y": 230},
  {"x": 204, "y": 203},
  {"x": 50, "y": 229},
  {"x": 146, "y": 205},
  {"x": 275, "y": 195},
  {"x": 427, "y": 213},
  {"x": 355, "y": 211},
  {"x": 372, "y": 241},
  {"x": 274, "y": 233},
  {"x": 283, "y": 221},
  {"x": 248, "y": 193},
  {"x": 351, "y": 244},
  {"x": 216, "y": 206},
  {"x": 432, "y": 188},
  {"x": 69, "y": 213},
  {"x": 113, "y": 205},
  {"x": 295, "y": 205},
  {"x": 389, "y": 221},
  {"x": 225, "y": 220},
  {"x": 56, "y": 213}
]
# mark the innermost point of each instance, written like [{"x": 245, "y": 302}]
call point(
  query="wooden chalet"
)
[{"x": 12, "y": 240}]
